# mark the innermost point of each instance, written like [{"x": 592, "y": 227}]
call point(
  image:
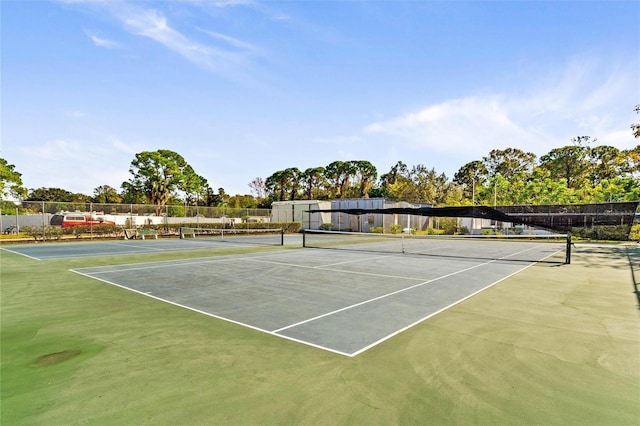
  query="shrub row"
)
[{"x": 608, "y": 233}]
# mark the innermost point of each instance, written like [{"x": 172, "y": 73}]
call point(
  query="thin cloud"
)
[
  {"x": 103, "y": 42},
  {"x": 582, "y": 99},
  {"x": 153, "y": 24},
  {"x": 85, "y": 176},
  {"x": 469, "y": 124},
  {"x": 230, "y": 40}
]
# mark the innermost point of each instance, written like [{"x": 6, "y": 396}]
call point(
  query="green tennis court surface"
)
[
  {"x": 552, "y": 344},
  {"x": 344, "y": 302},
  {"x": 69, "y": 250}
]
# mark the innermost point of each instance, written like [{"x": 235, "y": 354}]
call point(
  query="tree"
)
[
  {"x": 194, "y": 186},
  {"x": 569, "y": 163},
  {"x": 258, "y": 188},
  {"x": 243, "y": 202},
  {"x": 56, "y": 194},
  {"x": 216, "y": 200},
  {"x": 631, "y": 162},
  {"x": 293, "y": 175},
  {"x": 10, "y": 181},
  {"x": 131, "y": 195},
  {"x": 471, "y": 177},
  {"x": 158, "y": 174},
  {"x": 313, "y": 179},
  {"x": 635, "y": 127},
  {"x": 509, "y": 163},
  {"x": 338, "y": 174},
  {"x": 429, "y": 186},
  {"x": 389, "y": 182},
  {"x": 283, "y": 182},
  {"x": 365, "y": 176},
  {"x": 606, "y": 162},
  {"x": 106, "y": 194}
]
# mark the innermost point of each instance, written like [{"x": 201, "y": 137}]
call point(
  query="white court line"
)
[
  {"x": 174, "y": 263},
  {"x": 395, "y": 333},
  {"x": 276, "y": 333},
  {"x": 342, "y": 271},
  {"x": 397, "y": 292},
  {"x": 380, "y": 297},
  {"x": 21, "y": 254},
  {"x": 136, "y": 246},
  {"x": 148, "y": 294},
  {"x": 366, "y": 259}
]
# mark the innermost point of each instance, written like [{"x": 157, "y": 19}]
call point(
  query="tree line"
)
[
  {"x": 570, "y": 174},
  {"x": 581, "y": 172}
]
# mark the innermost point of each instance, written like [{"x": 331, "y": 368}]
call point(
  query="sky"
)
[{"x": 244, "y": 88}]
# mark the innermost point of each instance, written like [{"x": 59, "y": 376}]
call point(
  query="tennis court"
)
[
  {"x": 342, "y": 301},
  {"x": 70, "y": 250}
]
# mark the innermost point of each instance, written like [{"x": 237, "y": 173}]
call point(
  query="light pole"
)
[
  {"x": 495, "y": 189},
  {"x": 17, "y": 203},
  {"x": 473, "y": 192}
]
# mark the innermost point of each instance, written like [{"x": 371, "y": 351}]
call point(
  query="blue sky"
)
[{"x": 242, "y": 89}]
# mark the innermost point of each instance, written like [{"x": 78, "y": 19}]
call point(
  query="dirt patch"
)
[{"x": 55, "y": 358}]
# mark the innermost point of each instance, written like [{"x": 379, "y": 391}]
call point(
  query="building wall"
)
[{"x": 298, "y": 211}]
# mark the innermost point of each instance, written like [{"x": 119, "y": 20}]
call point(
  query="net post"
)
[
  {"x": 304, "y": 237},
  {"x": 180, "y": 232},
  {"x": 281, "y": 236},
  {"x": 567, "y": 260}
]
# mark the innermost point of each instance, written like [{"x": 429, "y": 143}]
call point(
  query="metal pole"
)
[{"x": 473, "y": 193}]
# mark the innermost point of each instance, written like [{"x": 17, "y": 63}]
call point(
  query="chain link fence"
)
[{"x": 39, "y": 214}]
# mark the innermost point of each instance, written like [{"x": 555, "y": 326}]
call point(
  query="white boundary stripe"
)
[
  {"x": 21, "y": 254},
  {"x": 277, "y": 332},
  {"x": 293, "y": 265},
  {"x": 365, "y": 259},
  {"x": 380, "y": 297},
  {"x": 212, "y": 315},
  {"x": 173, "y": 263},
  {"x": 142, "y": 250},
  {"x": 140, "y": 246},
  {"x": 377, "y": 342}
]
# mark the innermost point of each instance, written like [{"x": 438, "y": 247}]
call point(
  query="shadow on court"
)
[{"x": 634, "y": 266}]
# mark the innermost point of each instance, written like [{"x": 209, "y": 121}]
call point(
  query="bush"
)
[
  {"x": 33, "y": 231},
  {"x": 395, "y": 229},
  {"x": 449, "y": 225},
  {"x": 434, "y": 231},
  {"x": 635, "y": 233},
  {"x": 377, "y": 230},
  {"x": 605, "y": 232},
  {"x": 289, "y": 227},
  {"x": 326, "y": 226},
  {"x": 464, "y": 231},
  {"x": 487, "y": 231}
]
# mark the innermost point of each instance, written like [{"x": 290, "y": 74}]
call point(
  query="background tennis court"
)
[
  {"x": 69, "y": 250},
  {"x": 344, "y": 302}
]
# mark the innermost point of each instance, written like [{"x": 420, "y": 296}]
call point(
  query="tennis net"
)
[
  {"x": 523, "y": 248},
  {"x": 270, "y": 237}
]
